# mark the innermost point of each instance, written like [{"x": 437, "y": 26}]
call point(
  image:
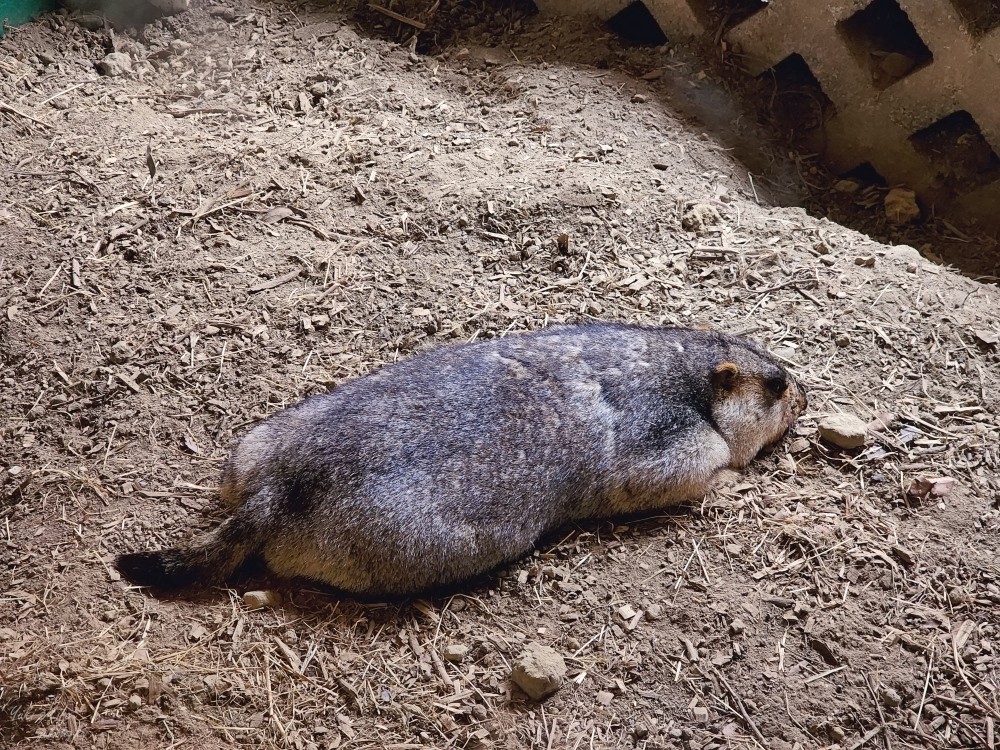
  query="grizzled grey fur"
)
[{"x": 445, "y": 465}]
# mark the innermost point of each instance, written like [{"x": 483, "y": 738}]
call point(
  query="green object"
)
[{"x": 14, "y": 12}]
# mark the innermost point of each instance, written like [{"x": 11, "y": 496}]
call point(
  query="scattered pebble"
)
[
  {"x": 479, "y": 712},
  {"x": 197, "y": 632},
  {"x": 931, "y": 487},
  {"x": 882, "y": 422},
  {"x": 901, "y": 206},
  {"x": 846, "y": 186},
  {"x": 843, "y": 430},
  {"x": 989, "y": 338},
  {"x": 700, "y": 713},
  {"x": 654, "y": 612},
  {"x": 260, "y": 599},
  {"x": 539, "y": 671},
  {"x": 737, "y": 627},
  {"x": 115, "y": 64},
  {"x": 89, "y": 21},
  {"x": 223, "y": 12},
  {"x": 455, "y": 652},
  {"x": 890, "y": 698},
  {"x": 604, "y": 697},
  {"x": 699, "y": 217}
]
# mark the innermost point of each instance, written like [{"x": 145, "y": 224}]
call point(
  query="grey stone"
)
[
  {"x": 539, "y": 671},
  {"x": 843, "y": 430},
  {"x": 115, "y": 64}
]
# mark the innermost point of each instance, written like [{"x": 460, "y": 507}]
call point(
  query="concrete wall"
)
[{"x": 912, "y": 87}]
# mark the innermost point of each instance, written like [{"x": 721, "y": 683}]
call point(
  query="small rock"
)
[
  {"x": 905, "y": 556},
  {"x": 115, "y": 64},
  {"x": 120, "y": 352},
  {"x": 799, "y": 445},
  {"x": 479, "y": 712},
  {"x": 605, "y": 698},
  {"x": 843, "y": 340},
  {"x": 638, "y": 98},
  {"x": 699, "y": 217},
  {"x": 959, "y": 596},
  {"x": 988, "y": 338},
  {"x": 890, "y": 698},
  {"x": 837, "y": 733},
  {"x": 883, "y": 421},
  {"x": 455, "y": 652},
  {"x": 843, "y": 430},
  {"x": 179, "y": 46},
  {"x": 846, "y": 186},
  {"x": 901, "y": 206},
  {"x": 933, "y": 487},
  {"x": 134, "y": 702},
  {"x": 734, "y": 549},
  {"x": 322, "y": 88},
  {"x": 14, "y": 470},
  {"x": 539, "y": 671},
  {"x": 700, "y": 713},
  {"x": 261, "y": 599},
  {"x": 905, "y": 253},
  {"x": 221, "y": 11},
  {"x": 89, "y": 21},
  {"x": 170, "y": 6},
  {"x": 626, "y": 612},
  {"x": 865, "y": 261},
  {"x": 737, "y": 627},
  {"x": 654, "y": 612}
]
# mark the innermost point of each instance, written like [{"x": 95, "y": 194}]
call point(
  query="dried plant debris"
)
[{"x": 272, "y": 198}]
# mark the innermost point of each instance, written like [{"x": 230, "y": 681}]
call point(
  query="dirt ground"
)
[{"x": 328, "y": 199}]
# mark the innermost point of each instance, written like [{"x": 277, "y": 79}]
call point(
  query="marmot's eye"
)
[{"x": 777, "y": 386}]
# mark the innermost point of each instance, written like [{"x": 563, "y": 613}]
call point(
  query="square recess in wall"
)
[
  {"x": 957, "y": 150},
  {"x": 795, "y": 101},
  {"x": 635, "y": 24},
  {"x": 727, "y": 13},
  {"x": 882, "y": 39},
  {"x": 979, "y": 16}
]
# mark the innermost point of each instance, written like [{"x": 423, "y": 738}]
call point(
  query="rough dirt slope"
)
[{"x": 326, "y": 201}]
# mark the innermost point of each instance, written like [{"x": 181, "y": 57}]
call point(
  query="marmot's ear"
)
[{"x": 724, "y": 376}]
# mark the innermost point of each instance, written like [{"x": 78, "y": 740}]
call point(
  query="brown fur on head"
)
[{"x": 755, "y": 403}]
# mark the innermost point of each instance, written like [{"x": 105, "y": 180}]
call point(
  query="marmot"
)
[{"x": 445, "y": 465}]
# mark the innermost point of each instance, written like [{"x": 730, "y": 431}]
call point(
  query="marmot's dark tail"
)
[{"x": 211, "y": 562}]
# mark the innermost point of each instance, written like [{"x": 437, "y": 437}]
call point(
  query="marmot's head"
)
[{"x": 755, "y": 400}]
